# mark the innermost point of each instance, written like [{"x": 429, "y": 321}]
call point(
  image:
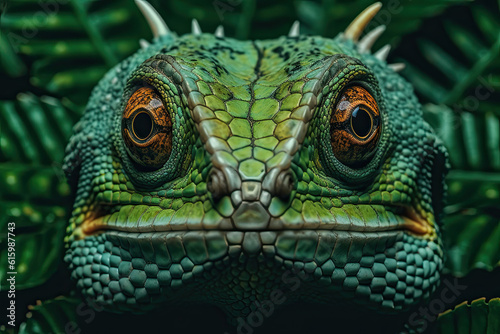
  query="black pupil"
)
[
  {"x": 361, "y": 122},
  {"x": 142, "y": 125}
]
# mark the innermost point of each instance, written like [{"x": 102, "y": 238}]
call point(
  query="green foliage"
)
[
  {"x": 53, "y": 316},
  {"x": 458, "y": 66},
  {"x": 34, "y": 193},
  {"x": 68, "y": 45},
  {"x": 479, "y": 317}
]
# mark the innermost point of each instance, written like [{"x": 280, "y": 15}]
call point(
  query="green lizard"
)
[{"x": 211, "y": 170}]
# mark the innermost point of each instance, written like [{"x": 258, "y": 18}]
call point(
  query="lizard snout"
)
[
  {"x": 277, "y": 183},
  {"x": 251, "y": 199}
]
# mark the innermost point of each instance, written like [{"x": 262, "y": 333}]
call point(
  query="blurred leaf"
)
[
  {"x": 10, "y": 61},
  {"x": 472, "y": 139},
  {"x": 479, "y": 317},
  {"x": 70, "y": 45},
  {"x": 34, "y": 194},
  {"x": 38, "y": 248},
  {"x": 472, "y": 238},
  {"x": 35, "y": 130},
  {"x": 456, "y": 58},
  {"x": 58, "y": 315}
]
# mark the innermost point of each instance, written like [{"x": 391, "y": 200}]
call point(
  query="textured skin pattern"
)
[{"x": 252, "y": 192}]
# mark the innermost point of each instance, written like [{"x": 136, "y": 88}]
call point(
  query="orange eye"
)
[
  {"x": 354, "y": 127},
  {"x": 147, "y": 129}
]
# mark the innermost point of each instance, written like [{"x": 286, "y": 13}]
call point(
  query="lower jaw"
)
[{"x": 128, "y": 271}]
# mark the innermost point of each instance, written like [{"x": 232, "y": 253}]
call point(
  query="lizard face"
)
[{"x": 212, "y": 170}]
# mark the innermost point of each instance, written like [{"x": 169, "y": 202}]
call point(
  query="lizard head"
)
[{"x": 208, "y": 169}]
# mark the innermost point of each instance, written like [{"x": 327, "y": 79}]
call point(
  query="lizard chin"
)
[{"x": 388, "y": 270}]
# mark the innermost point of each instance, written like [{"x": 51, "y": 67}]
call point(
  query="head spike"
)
[
  {"x": 397, "y": 67},
  {"x": 366, "y": 43},
  {"x": 156, "y": 23},
  {"x": 295, "y": 29},
  {"x": 219, "y": 32},
  {"x": 195, "y": 27},
  {"x": 357, "y": 26},
  {"x": 383, "y": 52},
  {"x": 143, "y": 43}
]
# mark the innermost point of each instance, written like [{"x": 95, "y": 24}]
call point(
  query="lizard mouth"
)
[{"x": 143, "y": 219}]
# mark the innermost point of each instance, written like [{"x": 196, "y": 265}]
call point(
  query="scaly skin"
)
[{"x": 252, "y": 193}]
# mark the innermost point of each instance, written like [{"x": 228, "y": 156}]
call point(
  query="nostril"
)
[
  {"x": 284, "y": 184},
  {"x": 216, "y": 183}
]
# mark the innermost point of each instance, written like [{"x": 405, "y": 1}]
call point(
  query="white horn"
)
[
  {"x": 383, "y": 52},
  {"x": 195, "y": 27},
  {"x": 295, "y": 29},
  {"x": 219, "y": 32},
  {"x": 156, "y": 23},
  {"x": 143, "y": 43},
  {"x": 357, "y": 26},
  {"x": 397, "y": 67},
  {"x": 366, "y": 43}
]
